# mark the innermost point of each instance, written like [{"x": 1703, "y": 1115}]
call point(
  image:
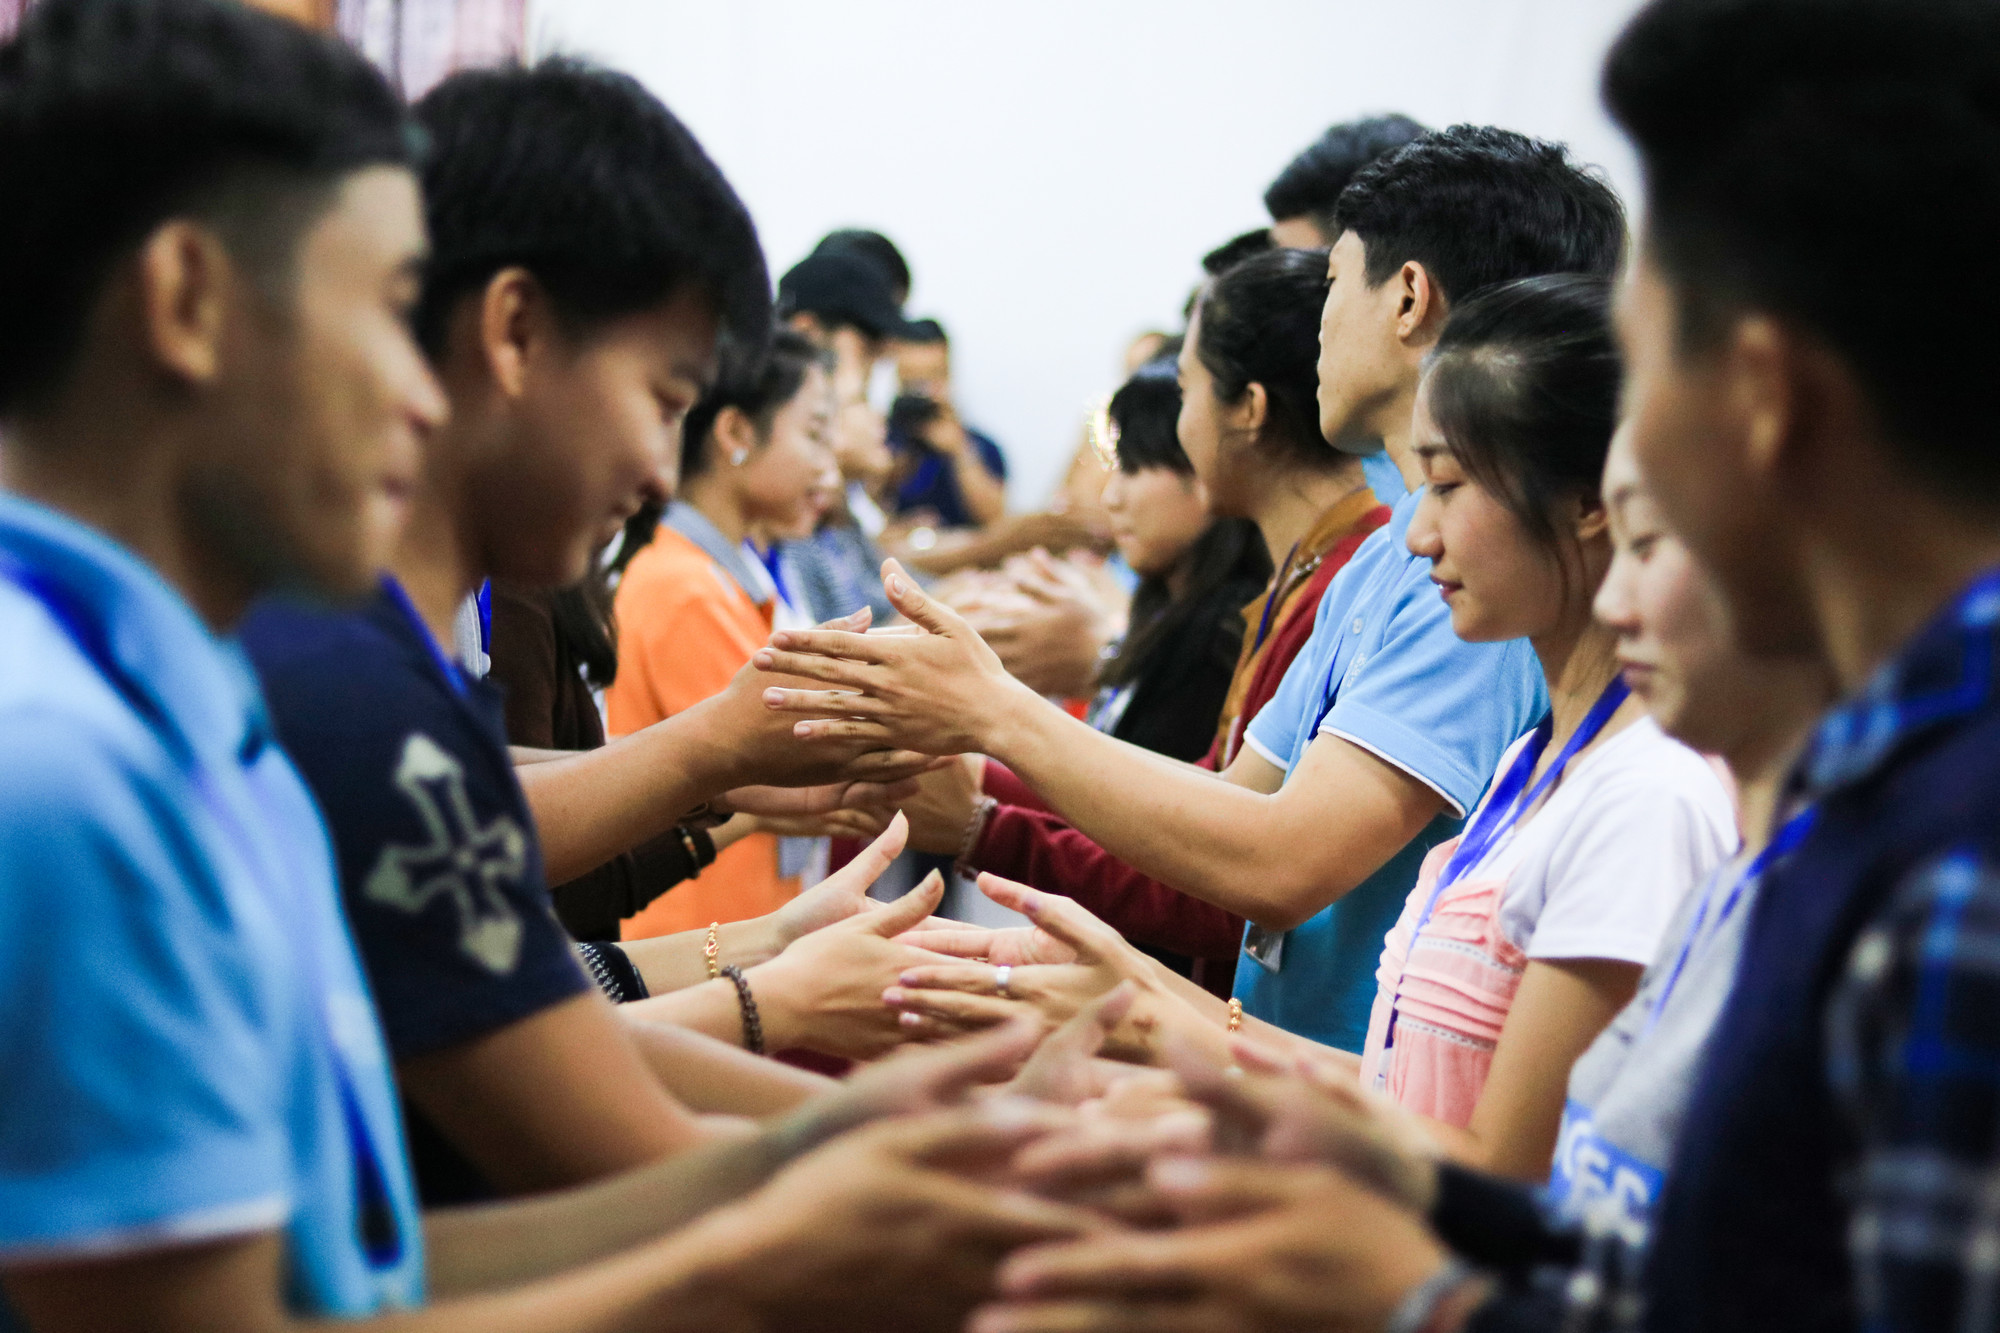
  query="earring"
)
[{"x": 736, "y": 459}]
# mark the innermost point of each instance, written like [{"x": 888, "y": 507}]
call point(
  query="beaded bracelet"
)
[
  {"x": 1235, "y": 1014},
  {"x": 753, "y": 1027}
]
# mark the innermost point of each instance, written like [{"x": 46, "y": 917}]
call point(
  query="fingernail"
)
[
  {"x": 1180, "y": 1173},
  {"x": 908, "y": 979},
  {"x": 908, "y": 1020},
  {"x": 892, "y": 996},
  {"x": 803, "y": 731},
  {"x": 762, "y": 657},
  {"x": 896, "y": 585},
  {"x": 774, "y": 696}
]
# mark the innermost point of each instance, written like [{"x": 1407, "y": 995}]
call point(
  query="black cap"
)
[{"x": 842, "y": 289}]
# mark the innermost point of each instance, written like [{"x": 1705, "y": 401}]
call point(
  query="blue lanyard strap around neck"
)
[
  {"x": 452, "y": 671},
  {"x": 1277, "y": 593},
  {"x": 1781, "y": 845},
  {"x": 1509, "y": 801}
]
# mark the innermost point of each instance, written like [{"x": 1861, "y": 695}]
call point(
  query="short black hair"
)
[
  {"x": 1147, "y": 411},
  {"x": 874, "y": 247},
  {"x": 1311, "y": 183},
  {"x": 927, "y": 332},
  {"x": 1235, "y": 250},
  {"x": 1797, "y": 154},
  {"x": 1523, "y": 385},
  {"x": 1259, "y": 324},
  {"x": 757, "y": 391},
  {"x": 585, "y": 179},
  {"x": 1477, "y": 205},
  {"x": 116, "y": 115}
]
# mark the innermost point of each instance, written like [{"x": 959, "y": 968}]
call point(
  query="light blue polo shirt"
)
[
  {"x": 188, "y": 1047},
  {"x": 1407, "y": 689}
]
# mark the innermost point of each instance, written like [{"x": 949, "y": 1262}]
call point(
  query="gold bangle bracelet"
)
[
  {"x": 1235, "y": 1014},
  {"x": 713, "y": 949}
]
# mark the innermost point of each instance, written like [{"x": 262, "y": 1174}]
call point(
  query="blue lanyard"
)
[
  {"x": 451, "y": 670},
  {"x": 774, "y": 566},
  {"x": 1505, "y": 807},
  {"x": 1781, "y": 845},
  {"x": 376, "y": 1224},
  {"x": 1509, "y": 802},
  {"x": 1272, "y": 599}
]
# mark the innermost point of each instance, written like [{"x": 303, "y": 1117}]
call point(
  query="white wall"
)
[{"x": 1054, "y": 169}]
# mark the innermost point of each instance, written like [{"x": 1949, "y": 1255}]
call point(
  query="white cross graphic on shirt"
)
[{"x": 462, "y": 860}]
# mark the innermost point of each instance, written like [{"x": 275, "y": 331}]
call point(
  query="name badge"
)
[{"x": 1265, "y": 947}]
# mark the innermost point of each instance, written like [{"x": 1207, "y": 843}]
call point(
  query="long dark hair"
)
[
  {"x": 1228, "y": 561},
  {"x": 1259, "y": 324}
]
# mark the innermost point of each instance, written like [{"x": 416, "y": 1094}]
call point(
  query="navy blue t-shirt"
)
[
  {"x": 440, "y": 869},
  {"x": 933, "y": 482}
]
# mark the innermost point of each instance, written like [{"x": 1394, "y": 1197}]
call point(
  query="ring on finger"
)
[{"x": 1001, "y": 976}]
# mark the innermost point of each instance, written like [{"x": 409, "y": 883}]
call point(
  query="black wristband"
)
[
  {"x": 753, "y": 1027},
  {"x": 699, "y": 846},
  {"x": 613, "y": 972}
]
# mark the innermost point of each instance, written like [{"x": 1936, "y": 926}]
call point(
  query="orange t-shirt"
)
[{"x": 684, "y": 629}]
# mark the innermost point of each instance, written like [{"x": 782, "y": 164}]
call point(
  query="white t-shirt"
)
[{"x": 1600, "y": 868}]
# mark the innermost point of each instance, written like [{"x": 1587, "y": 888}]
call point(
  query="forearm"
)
[
  {"x": 715, "y": 1077},
  {"x": 1043, "y": 850},
  {"x": 1226, "y": 848},
  {"x": 674, "y": 962},
  {"x": 594, "y": 804},
  {"x": 492, "y": 1246},
  {"x": 985, "y": 495},
  {"x": 709, "y": 1008}
]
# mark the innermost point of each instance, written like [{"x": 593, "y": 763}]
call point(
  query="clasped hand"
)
[{"x": 934, "y": 687}]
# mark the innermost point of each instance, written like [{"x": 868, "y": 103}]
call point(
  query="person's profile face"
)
[
  {"x": 598, "y": 428},
  {"x": 320, "y": 450},
  {"x": 1201, "y": 425},
  {"x": 925, "y": 369},
  {"x": 1156, "y": 516},
  {"x": 1361, "y": 362},
  {"x": 788, "y": 482},
  {"x": 1498, "y": 579},
  {"x": 1695, "y": 449}
]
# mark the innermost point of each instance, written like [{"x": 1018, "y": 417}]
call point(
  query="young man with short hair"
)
[
  {"x": 1387, "y": 726},
  {"x": 1302, "y": 198},
  {"x": 587, "y": 258},
  {"x": 211, "y": 251}
]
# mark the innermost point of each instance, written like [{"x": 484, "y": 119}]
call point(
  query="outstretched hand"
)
[
  {"x": 842, "y": 894},
  {"x": 824, "y": 992},
  {"x": 898, "y": 1225},
  {"x": 766, "y": 752},
  {"x": 939, "y": 691},
  {"x": 1287, "y": 1111},
  {"x": 1262, "y": 1247},
  {"x": 1087, "y": 959}
]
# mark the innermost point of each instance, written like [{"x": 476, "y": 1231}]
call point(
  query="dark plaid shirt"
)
[{"x": 1840, "y": 1161}]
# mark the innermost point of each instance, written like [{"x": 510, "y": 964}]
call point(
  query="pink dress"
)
[{"x": 1450, "y": 993}]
